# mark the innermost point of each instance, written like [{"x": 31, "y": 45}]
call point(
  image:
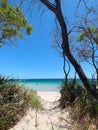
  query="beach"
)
[
  {"x": 50, "y": 117},
  {"x": 49, "y": 95}
]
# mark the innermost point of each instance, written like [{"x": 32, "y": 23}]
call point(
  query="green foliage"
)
[
  {"x": 86, "y": 104},
  {"x": 80, "y": 37},
  {"x": 69, "y": 92},
  {"x": 12, "y": 22},
  {"x": 14, "y": 101},
  {"x": 79, "y": 99},
  {"x": 90, "y": 33},
  {"x": 34, "y": 99},
  {"x": 92, "y": 29},
  {"x": 29, "y": 29}
]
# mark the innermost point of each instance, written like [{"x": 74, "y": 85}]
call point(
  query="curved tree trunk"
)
[{"x": 56, "y": 9}]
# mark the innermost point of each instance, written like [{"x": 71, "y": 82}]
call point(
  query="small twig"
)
[{"x": 36, "y": 123}]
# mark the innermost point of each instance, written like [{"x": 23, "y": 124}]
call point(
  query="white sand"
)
[
  {"x": 51, "y": 117},
  {"x": 49, "y": 96}
]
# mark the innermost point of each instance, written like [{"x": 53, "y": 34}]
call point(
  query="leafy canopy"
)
[
  {"x": 12, "y": 22},
  {"x": 90, "y": 33}
]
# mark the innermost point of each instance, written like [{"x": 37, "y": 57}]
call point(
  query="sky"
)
[{"x": 34, "y": 56}]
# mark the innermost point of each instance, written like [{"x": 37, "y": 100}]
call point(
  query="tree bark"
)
[
  {"x": 56, "y": 9},
  {"x": 97, "y": 75}
]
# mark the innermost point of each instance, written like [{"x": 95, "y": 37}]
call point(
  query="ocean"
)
[{"x": 43, "y": 84}]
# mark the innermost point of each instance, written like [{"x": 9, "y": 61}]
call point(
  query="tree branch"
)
[
  {"x": 58, "y": 4},
  {"x": 49, "y": 5}
]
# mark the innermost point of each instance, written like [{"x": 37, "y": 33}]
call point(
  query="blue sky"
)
[{"x": 34, "y": 56}]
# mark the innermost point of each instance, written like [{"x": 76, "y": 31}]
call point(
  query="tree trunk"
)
[
  {"x": 56, "y": 9},
  {"x": 82, "y": 75},
  {"x": 67, "y": 52},
  {"x": 97, "y": 76}
]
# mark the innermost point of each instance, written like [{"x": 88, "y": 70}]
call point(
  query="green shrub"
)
[
  {"x": 82, "y": 104},
  {"x": 69, "y": 92},
  {"x": 14, "y": 101},
  {"x": 34, "y": 101}
]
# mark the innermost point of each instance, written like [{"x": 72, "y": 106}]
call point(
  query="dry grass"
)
[
  {"x": 14, "y": 102},
  {"x": 83, "y": 108}
]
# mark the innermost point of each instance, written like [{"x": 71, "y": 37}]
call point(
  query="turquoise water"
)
[{"x": 43, "y": 84}]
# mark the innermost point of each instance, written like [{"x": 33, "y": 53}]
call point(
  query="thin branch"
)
[
  {"x": 71, "y": 30},
  {"x": 78, "y": 4}
]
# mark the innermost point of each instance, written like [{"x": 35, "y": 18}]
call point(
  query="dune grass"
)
[
  {"x": 82, "y": 106},
  {"x": 14, "y": 102}
]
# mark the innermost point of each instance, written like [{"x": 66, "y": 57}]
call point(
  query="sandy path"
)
[{"x": 49, "y": 118}]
